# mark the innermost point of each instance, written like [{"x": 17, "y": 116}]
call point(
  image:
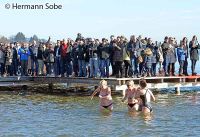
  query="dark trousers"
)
[
  {"x": 181, "y": 63},
  {"x": 193, "y": 66},
  {"x": 49, "y": 68},
  {"x": 34, "y": 65},
  {"x": 113, "y": 67},
  {"x": 8, "y": 69},
  {"x": 128, "y": 68},
  {"x": 75, "y": 67},
  {"x": 2, "y": 68},
  {"x": 24, "y": 64},
  {"x": 171, "y": 68},
  {"x": 166, "y": 64},
  {"x": 66, "y": 66},
  {"x": 119, "y": 68},
  {"x": 57, "y": 68},
  {"x": 153, "y": 72},
  {"x": 14, "y": 67},
  {"x": 185, "y": 67}
]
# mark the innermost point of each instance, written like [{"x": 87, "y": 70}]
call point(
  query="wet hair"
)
[
  {"x": 130, "y": 83},
  {"x": 143, "y": 83},
  {"x": 102, "y": 82}
]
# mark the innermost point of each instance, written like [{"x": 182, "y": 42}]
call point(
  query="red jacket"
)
[{"x": 64, "y": 50}]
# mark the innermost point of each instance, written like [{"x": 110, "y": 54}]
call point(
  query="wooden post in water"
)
[
  {"x": 177, "y": 90},
  {"x": 51, "y": 87}
]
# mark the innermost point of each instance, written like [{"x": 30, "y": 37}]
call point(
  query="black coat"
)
[{"x": 194, "y": 55}]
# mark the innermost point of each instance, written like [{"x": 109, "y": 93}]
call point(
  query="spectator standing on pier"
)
[
  {"x": 2, "y": 58},
  {"x": 24, "y": 53},
  {"x": 166, "y": 55},
  {"x": 112, "y": 38},
  {"x": 133, "y": 55},
  {"x": 8, "y": 60},
  {"x": 57, "y": 58},
  {"x": 69, "y": 68},
  {"x": 127, "y": 60},
  {"x": 40, "y": 58},
  {"x": 172, "y": 54},
  {"x": 14, "y": 65},
  {"x": 154, "y": 57},
  {"x": 63, "y": 61},
  {"x": 49, "y": 58},
  {"x": 104, "y": 55},
  {"x": 185, "y": 47},
  {"x": 141, "y": 44},
  {"x": 93, "y": 58},
  {"x": 181, "y": 57},
  {"x": 194, "y": 56},
  {"x": 34, "y": 62},
  {"x": 118, "y": 57},
  {"x": 81, "y": 58},
  {"x": 75, "y": 59}
]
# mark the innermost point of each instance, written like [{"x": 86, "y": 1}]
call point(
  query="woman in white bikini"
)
[
  {"x": 104, "y": 95},
  {"x": 131, "y": 96}
]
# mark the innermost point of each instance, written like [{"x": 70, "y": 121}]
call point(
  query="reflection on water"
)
[{"x": 45, "y": 115}]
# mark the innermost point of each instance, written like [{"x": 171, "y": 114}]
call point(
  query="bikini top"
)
[
  {"x": 103, "y": 91},
  {"x": 132, "y": 90}
]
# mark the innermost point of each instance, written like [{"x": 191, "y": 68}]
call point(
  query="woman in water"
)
[
  {"x": 131, "y": 96},
  {"x": 104, "y": 95},
  {"x": 145, "y": 96}
]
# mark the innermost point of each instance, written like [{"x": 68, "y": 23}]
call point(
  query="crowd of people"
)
[{"x": 89, "y": 57}]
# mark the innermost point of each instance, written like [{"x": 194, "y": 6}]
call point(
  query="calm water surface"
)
[{"x": 46, "y": 116}]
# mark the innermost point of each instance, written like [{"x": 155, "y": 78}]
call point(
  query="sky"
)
[{"x": 102, "y": 18}]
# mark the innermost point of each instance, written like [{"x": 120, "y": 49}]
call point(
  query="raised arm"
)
[
  {"x": 95, "y": 92},
  {"x": 152, "y": 96}
]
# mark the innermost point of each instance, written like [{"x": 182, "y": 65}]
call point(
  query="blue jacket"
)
[
  {"x": 24, "y": 53},
  {"x": 181, "y": 54}
]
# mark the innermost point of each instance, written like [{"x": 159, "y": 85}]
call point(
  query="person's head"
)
[
  {"x": 184, "y": 40},
  {"x": 112, "y": 37},
  {"x": 130, "y": 83},
  {"x": 132, "y": 38},
  {"x": 166, "y": 39},
  {"x": 12, "y": 45},
  {"x": 103, "y": 41},
  {"x": 122, "y": 39},
  {"x": 194, "y": 38},
  {"x": 139, "y": 37},
  {"x": 103, "y": 83},
  {"x": 58, "y": 43},
  {"x": 149, "y": 41},
  {"x": 118, "y": 39},
  {"x": 143, "y": 83}
]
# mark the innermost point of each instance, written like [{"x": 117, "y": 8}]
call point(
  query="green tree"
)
[
  {"x": 4, "y": 39},
  {"x": 20, "y": 37},
  {"x": 34, "y": 38}
]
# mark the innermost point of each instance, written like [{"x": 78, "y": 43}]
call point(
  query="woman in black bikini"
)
[
  {"x": 104, "y": 95},
  {"x": 145, "y": 96},
  {"x": 131, "y": 96}
]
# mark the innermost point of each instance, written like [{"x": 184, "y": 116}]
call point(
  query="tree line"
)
[{"x": 20, "y": 37}]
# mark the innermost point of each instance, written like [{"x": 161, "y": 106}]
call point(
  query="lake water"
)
[{"x": 61, "y": 116}]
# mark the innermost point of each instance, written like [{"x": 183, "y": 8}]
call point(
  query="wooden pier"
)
[{"x": 117, "y": 84}]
